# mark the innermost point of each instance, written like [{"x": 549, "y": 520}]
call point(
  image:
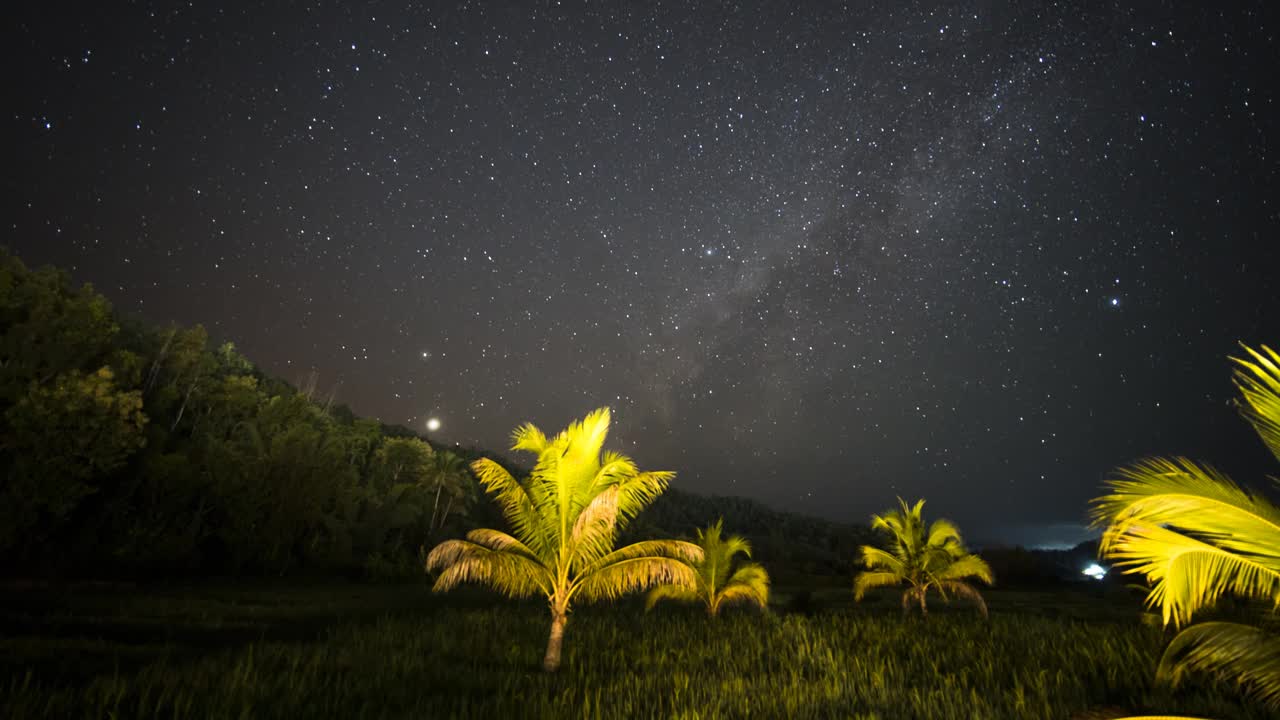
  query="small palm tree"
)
[
  {"x": 922, "y": 558},
  {"x": 718, "y": 582},
  {"x": 449, "y": 473},
  {"x": 1196, "y": 536},
  {"x": 565, "y": 518}
]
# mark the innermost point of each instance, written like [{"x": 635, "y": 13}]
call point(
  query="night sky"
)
[{"x": 813, "y": 255}]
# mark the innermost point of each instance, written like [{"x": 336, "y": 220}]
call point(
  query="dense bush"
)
[{"x": 131, "y": 449}]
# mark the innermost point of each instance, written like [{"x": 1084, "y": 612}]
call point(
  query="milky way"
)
[{"x": 816, "y": 255}]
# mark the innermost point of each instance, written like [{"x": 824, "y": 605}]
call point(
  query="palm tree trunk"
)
[
  {"x": 436, "y": 505},
  {"x": 445, "y": 515},
  {"x": 551, "y": 662}
]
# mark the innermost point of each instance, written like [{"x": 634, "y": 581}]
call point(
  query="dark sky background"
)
[{"x": 814, "y": 254}]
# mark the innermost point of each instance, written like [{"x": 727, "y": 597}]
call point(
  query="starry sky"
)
[{"x": 815, "y": 254}]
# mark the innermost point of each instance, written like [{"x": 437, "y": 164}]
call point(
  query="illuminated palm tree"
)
[
  {"x": 923, "y": 558},
  {"x": 1196, "y": 536},
  {"x": 565, "y": 518},
  {"x": 718, "y": 581}
]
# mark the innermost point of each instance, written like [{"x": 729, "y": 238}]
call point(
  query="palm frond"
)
[
  {"x": 502, "y": 542},
  {"x": 943, "y": 532},
  {"x": 639, "y": 491},
  {"x": 1191, "y": 498},
  {"x": 966, "y": 566},
  {"x": 745, "y": 594},
  {"x": 593, "y": 429},
  {"x": 1240, "y": 653},
  {"x": 1189, "y": 574},
  {"x": 749, "y": 580},
  {"x": 964, "y": 590},
  {"x": 681, "y": 550},
  {"x": 1259, "y": 385},
  {"x": 594, "y": 530},
  {"x": 620, "y": 578},
  {"x": 528, "y": 437},
  {"x": 613, "y": 469},
  {"x": 869, "y": 580},
  {"x": 669, "y": 592},
  {"x": 513, "y": 500},
  {"x": 582, "y": 444},
  {"x": 1192, "y": 532},
  {"x": 566, "y": 473},
  {"x": 874, "y": 557},
  {"x": 735, "y": 545},
  {"x": 460, "y": 561}
]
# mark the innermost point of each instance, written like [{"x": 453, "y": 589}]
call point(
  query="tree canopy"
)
[{"x": 143, "y": 450}]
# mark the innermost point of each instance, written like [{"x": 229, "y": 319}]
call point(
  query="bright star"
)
[{"x": 433, "y": 424}]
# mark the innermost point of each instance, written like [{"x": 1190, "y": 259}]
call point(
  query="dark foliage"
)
[
  {"x": 793, "y": 547},
  {"x": 129, "y": 449}
]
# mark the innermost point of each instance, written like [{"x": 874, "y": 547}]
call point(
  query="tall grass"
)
[{"x": 447, "y": 661}]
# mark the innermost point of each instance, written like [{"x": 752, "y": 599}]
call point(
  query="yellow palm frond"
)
[
  {"x": 749, "y": 582},
  {"x": 502, "y": 542},
  {"x": 1193, "y": 533},
  {"x": 669, "y": 592},
  {"x": 904, "y": 525},
  {"x": 639, "y": 491},
  {"x": 580, "y": 445},
  {"x": 545, "y": 486},
  {"x": 966, "y": 566},
  {"x": 964, "y": 590},
  {"x": 1195, "y": 498},
  {"x": 685, "y": 552},
  {"x": 513, "y": 500},
  {"x": 594, "y": 530},
  {"x": 511, "y": 574},
  {"x": 590, "y": 432},
  {"x": 874, "y": 557},
  {"x": 869, "y": 580},
  {"x": 620, "y": 578},
  {"x": 614, "y": 469},
  {"x": 942, "y": 532},
  {"x": 735, "y": 545},
  {"x": 528, "y": 437},
  {"x": 1189, "y": 574},
  {"x": 745, "y": 595},
  {"x": 1259, "y": 384},
  {"x": 1240, "y": 653}
]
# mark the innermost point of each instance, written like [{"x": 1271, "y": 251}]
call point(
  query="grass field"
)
[{"x": 359, "y": 651}]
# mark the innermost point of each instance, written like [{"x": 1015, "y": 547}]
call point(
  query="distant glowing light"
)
[
  {"x": 433, "y": 424},
  {"x": 1096, "y": 571},
  {"x": 1115, "y": 302}
]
